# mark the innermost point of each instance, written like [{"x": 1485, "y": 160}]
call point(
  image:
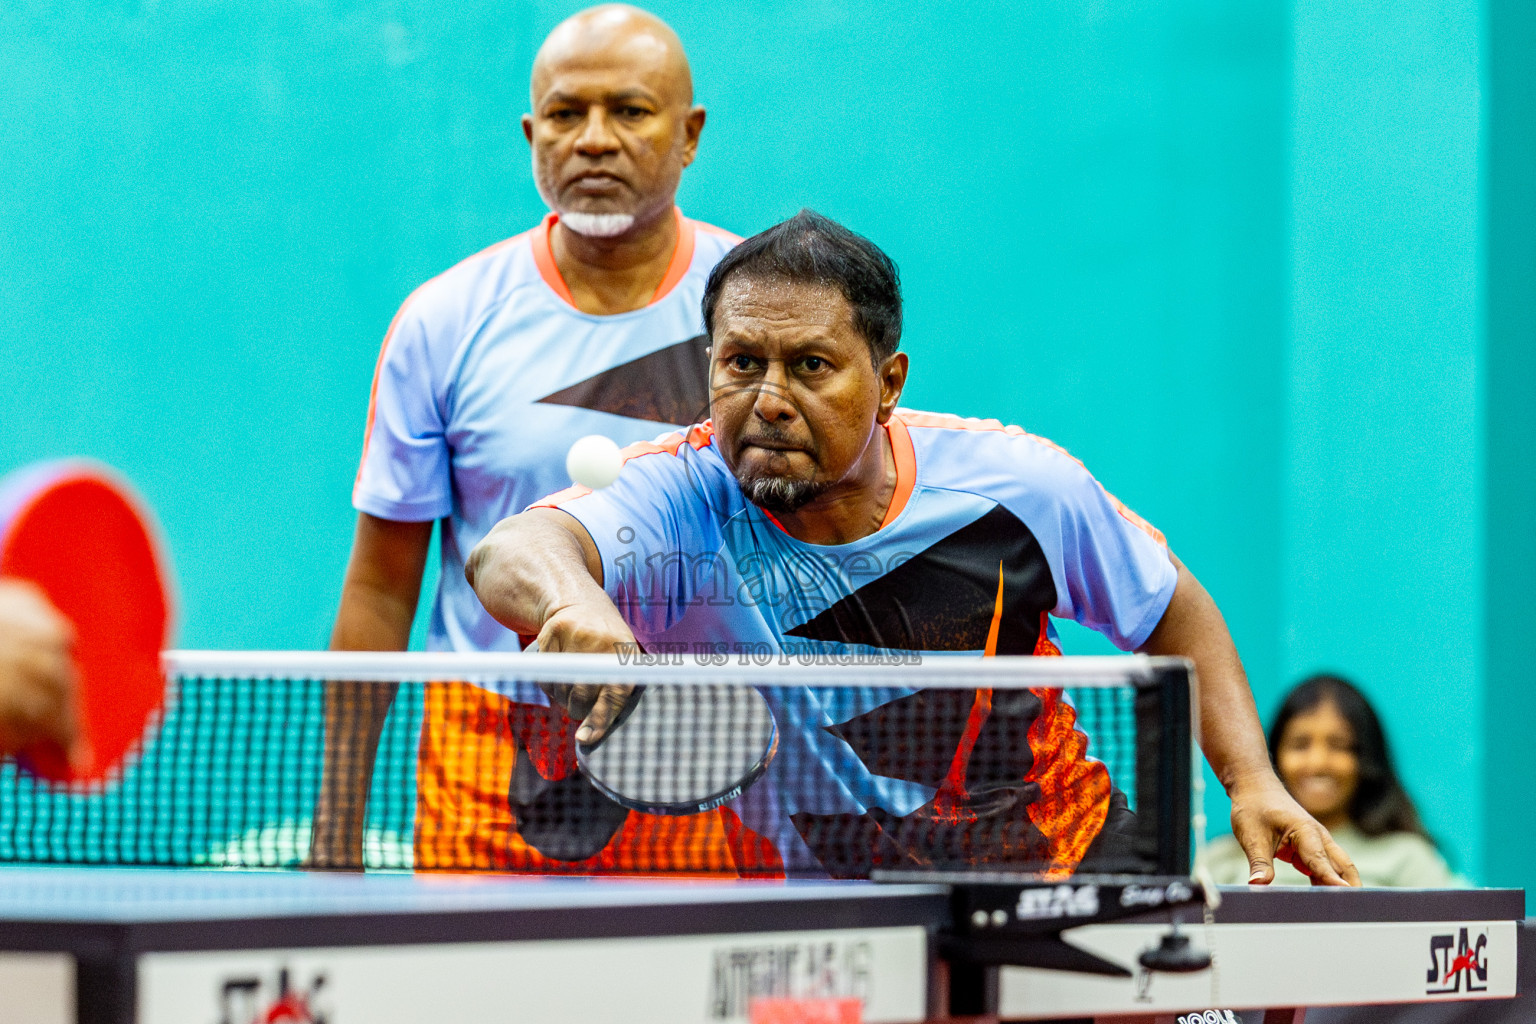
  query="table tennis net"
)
[{"x": 1026, "y": 767}]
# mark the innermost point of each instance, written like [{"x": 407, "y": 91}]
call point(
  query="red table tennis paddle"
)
[{"x": 77, "y": 531}]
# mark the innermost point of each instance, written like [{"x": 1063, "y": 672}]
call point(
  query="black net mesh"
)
[{"x": 449, "y": 776}]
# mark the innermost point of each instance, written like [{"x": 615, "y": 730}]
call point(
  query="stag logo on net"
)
[
  {"x": 1457, "y": 963},
  {"x": 1057, "y": 901},
  {"x": 274, "y": 999}
]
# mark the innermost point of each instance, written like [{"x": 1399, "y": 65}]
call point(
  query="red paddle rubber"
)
[{"x": 77, "y": 531}]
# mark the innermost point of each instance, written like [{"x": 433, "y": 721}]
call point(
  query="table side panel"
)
[
  {"x": 37, "y": 988},
  {"x": 1316, "y": 964},
  {"x": 678, "y": 979}
]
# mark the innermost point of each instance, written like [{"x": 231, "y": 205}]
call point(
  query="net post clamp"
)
[
  {"x": 1011, "y": 920},
  {"x": 1018, "y": 920}
]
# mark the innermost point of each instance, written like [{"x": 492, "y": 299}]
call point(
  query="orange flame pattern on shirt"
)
[{"x": 465, "y": 819}]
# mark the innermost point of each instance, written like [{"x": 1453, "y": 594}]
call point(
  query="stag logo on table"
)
[
  {"x": 1457, "y": 962},
  {"x": 271, "y": 1000},
  {"x": 826, "y": 969},
  {"x": 1056, "y": 902}
]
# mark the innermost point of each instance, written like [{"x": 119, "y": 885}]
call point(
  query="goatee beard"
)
[
  {"x": 781, "y": 495},
  {"x": 589, "y": 225},
  {"x": 598, "y": 225}
]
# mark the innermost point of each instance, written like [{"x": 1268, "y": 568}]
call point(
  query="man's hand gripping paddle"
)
[{"x": 77, "y": 532}]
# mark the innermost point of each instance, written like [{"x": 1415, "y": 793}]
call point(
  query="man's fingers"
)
[
  {"x": 37, "y": 672},
  {"x": 1312, "y": 853},
  {"x": 1342, "y": 865},
  {"x": 581, "y": 698},
  {"x": 1257, "y": 843},
  {"x": 54, "y": 709},
  {"x": 593, "y": 628},
  {"x": 604, "y": 710},
  {"x": 37, "y": 700},
  {"x": 1269, "y": 823}
]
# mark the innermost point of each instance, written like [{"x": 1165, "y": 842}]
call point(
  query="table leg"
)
[{"x": 964, "y": 995}]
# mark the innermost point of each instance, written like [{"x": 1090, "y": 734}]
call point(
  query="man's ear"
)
[
  {"x": 693, "y": 127},
  {"x": 528, "y": 128},
  {"x": 893, "y": 378}
]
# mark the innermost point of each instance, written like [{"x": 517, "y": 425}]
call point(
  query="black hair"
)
[
  {"x": 813, "y": 249},
  {"x": 1380, "y": 804}
]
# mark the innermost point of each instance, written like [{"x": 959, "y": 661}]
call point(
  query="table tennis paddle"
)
[
  {"x": 682, "y": 749},
  {"x": 77, "y": 531}
]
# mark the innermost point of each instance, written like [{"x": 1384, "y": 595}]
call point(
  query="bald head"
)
[
  {"x": 613, "y": 121},
  {"x": 616, "y": 34}
]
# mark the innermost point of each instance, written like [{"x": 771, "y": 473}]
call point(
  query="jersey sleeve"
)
[
  {"x": 649, "y": 532},
  {"x": 1113, "y": 570},
  {"x": 405, "y": 471}
]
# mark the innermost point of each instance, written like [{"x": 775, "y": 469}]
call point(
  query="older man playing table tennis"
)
[{"x": 808, "y": 462}]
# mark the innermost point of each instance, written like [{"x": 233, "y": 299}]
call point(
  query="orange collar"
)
[
  {"x": 544, "y": 258},
  {"x": 906, "y": 468}
]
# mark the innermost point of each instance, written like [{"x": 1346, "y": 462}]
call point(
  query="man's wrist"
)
[
  {"x": 1261, "y": 776},
  {"x": 584, "y": 607}
]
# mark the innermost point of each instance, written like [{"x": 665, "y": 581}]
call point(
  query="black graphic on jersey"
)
[
  {"x": 671, "y": 385},
  {"x": 853, "y": 845},
  {"x": 559, "y": 813},
  {"x": 565, "y": 819},
  {"x": 915, "y": 739},
  {"x": 943, "y": 599}
]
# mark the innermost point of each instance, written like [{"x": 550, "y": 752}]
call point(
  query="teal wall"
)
[
  {"x": 1381, "y": 553},
  {"x": 1231, "y": 254},
  {"x": 1509, "y": 431}
]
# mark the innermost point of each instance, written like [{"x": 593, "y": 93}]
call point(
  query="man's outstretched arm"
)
[
  {"x": 1266, "y": 820},
  {"x": 378, "y": 605},
  {"x": 539, "y": 574}
]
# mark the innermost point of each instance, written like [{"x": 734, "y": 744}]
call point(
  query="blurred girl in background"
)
[{"x": 1329, "y": 750}]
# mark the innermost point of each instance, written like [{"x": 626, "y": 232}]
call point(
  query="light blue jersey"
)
[{"x": 992, "y": 531}]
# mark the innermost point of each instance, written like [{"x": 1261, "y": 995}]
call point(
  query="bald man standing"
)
[{"x": 587, "y": 324}]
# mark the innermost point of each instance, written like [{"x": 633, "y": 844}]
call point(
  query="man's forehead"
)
[
  {"x": 609, "y": 56},
  {"x": 599, "y": 86},
  {"x": 751, "y": 306}
]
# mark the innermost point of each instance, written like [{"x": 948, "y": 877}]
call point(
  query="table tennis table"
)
[{"x": 156, "y": 946}]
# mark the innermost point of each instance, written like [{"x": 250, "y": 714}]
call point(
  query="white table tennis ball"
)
[{"x": 594, "y": 461}]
